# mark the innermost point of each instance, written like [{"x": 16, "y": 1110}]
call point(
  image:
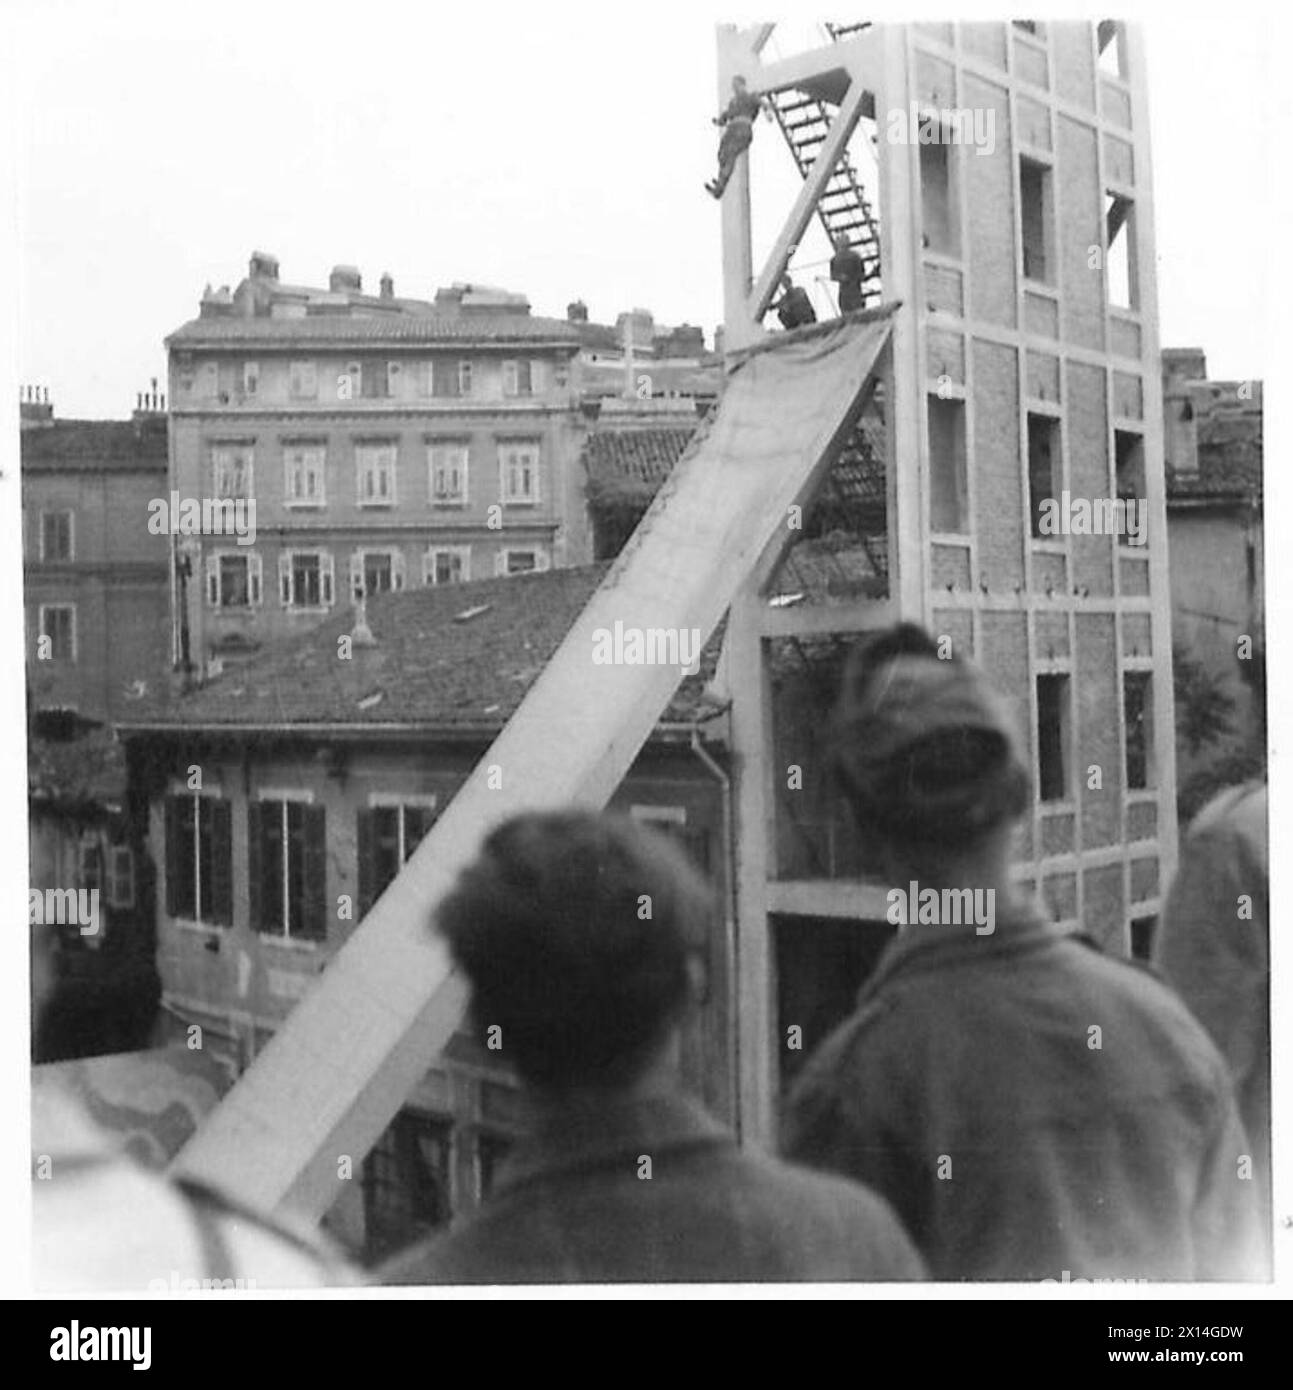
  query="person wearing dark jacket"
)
[
  {"x": 1032, "y": 1108},
  {"x": 848, "y": 271},
  {"x": 737, "y": 121},
  {"x": 582, "y": 937},
  {"x": 794, "y": 308}
]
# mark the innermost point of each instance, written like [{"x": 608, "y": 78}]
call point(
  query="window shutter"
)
[
  {"x": 221, "y": 814},
  {"x": 500, "y": 562},
  {"x": 417, "y": 821},
  {"x": 213, "y": 581},
  {"x": 393, "y": 374},
  {"x": 325, "y": 578},
  {"x": 367, "y": 842},
  {"x": 254, "y": 578},
  {"x": 314, "y": 915},
  {"x": 356, "y": 573},
  {"x": 285, "y": 579},
  {"x": 171, "y": 852},
  {"x": 542, "y": 560},
  {"x": 428, "y": 567},
  {"x": 464, "y": 378},
  {"x": 397, "y": 570},
  {"x": 509, "y": 379},
  {"x": 255, "y": 865}
]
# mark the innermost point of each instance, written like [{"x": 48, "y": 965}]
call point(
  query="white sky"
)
[{"x": 557, "y": 150}]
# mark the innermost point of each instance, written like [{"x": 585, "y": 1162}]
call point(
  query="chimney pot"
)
[{"x": 388, "y": 286}]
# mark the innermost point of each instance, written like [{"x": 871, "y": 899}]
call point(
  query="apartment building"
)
[{"x": 387, "y": 443}]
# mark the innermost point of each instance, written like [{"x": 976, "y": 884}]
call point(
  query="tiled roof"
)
[
  {"x": 631, "y": 463},
  {"x": 1230, "y": 458},
  {"x": 447, "y": 657},
  {"x": 94, "y": 444},
  {"x": 394, "y": 329}
]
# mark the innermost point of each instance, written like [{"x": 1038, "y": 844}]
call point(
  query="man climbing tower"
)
[{"x": 737, "y": 122}]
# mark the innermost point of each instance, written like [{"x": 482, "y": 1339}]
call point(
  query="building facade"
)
[
  {"x": 95, "y": 579},
  {"x": 1213, "y": 446},
  {"x": 286, "y": 794},
  {"x": 388, "y": 443}
]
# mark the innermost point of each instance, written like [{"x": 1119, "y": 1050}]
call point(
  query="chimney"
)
[
  {"x": 577, "y": 312},
  {"x": 150, "y": 404},
  {"x": 35, "y": 410},
  {"x": 263, "y": 266},
  {"x": 388, "y": 286},
  {"x": 1181, "y": 367},
  {"x": 345, "y": 278},
  {"x": 216, "y": 303}
]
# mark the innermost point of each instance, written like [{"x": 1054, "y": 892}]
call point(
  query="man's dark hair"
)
[
  {"x": 574, "y": 930},
  {"x": 943, "y": 789}
]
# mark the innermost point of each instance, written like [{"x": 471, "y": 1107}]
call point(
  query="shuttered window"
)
[
  {"x": 388, "y": 835},
  {"x": 287, "y": 869},
  {"x": 199, "y": 858}
]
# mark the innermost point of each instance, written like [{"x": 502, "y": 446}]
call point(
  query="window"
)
[
  {"x": 199, "y": 858},
  {"x": 447, "y": 466},
  {"x": 449, "y": 376},
  {"x": 407, "y": 1188},
  {"x": 1052, "y": 736},
  {"x": 1111, "y": 37},
  {"x": 448, "y": 564},
  {"x": 119, "y": 888},
  {"x": 287, "y": 869},
  {"x": 303, "y": 380},
  {"x": 491, "y": 1150},
  {"x": 1137, "y": 715},
  {"x": 519, "y": 472},
  {"x": 304, "y": 471},
  {"x": 517, "y": 378},
  {"x": 1027, "y": 26},
  {"x": 394, "y": 375},
  {"x": 1043, "y": 467},
  {"x": 376, "y": 572},
  {"x": 250, "y": 378},
  {"x": 375, "y": 473},
  {"x": 1129, "y": 471},
  {"x": 55, "y": 536},
  {"x": 1142, "y": 937},
  {"x": 527, "y": 561},
  {"x": 233, "y": 579},
  {"x": 1035, "y": 218},
  {"x": 231, "y": 470},
  {"x": 388, "y": 835},
  {"x": 58, "y": 631},
  {"x": 938, "y": 206},
  {"x": 374, "y": 380},
  {"x": 305, "y": 579},
  {"x": 1120, "y": 262},
  {"x": 947, "y": 477},
  {"x": 90, "y": 865}
]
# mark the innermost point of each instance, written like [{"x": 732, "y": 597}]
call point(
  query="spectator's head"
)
[
  {"x": 738, "y": 84},
  {"x": 786, "y": 282},
  {"x": 926, "y": 755},
  {"x": 581, "y": 935},
  {"x": 842, "y": 242}
]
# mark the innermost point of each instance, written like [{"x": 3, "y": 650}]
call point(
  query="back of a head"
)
[
  {"x": 924, "y": 749},
  {"x": 575, "y": 931}
]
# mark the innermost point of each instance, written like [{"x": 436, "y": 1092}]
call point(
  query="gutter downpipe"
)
[{"x": 729, "y": 916}]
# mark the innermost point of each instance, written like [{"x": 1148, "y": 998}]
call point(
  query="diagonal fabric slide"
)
[{"x": 339, "y": 1069}]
